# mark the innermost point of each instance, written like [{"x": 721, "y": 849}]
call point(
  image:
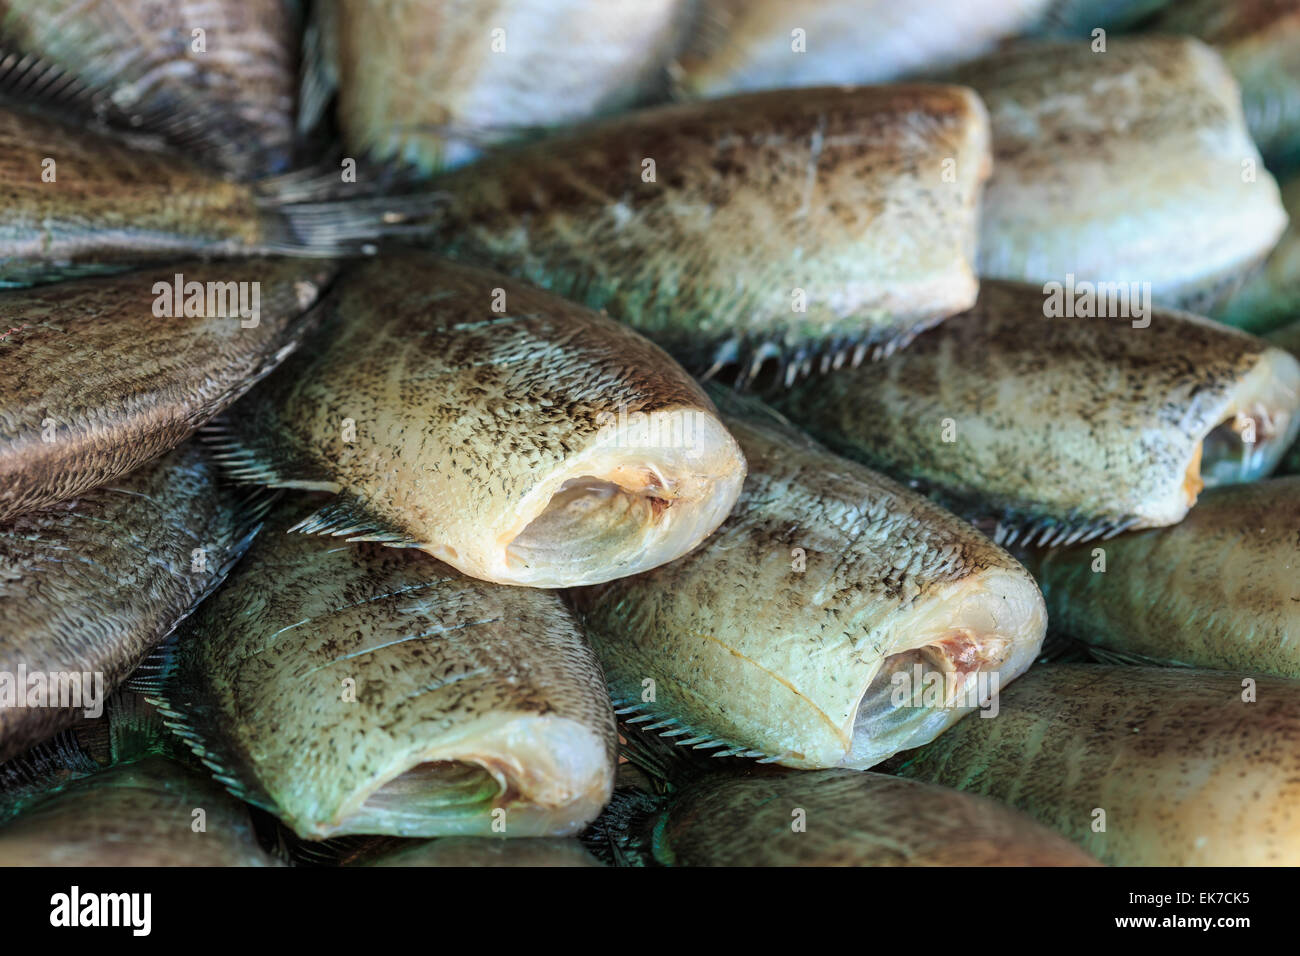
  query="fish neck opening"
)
[
  {"x": 449, "y": 796},
  {"x": 918, "y": 692},
  {"x": 633, "y": 502},
  {"x": 1255, "y": 430}
]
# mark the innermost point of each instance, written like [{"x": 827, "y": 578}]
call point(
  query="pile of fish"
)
[{"x": 547, "y": 433}]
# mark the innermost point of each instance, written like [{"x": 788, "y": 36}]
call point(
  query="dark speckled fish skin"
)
[
  {"x": 94, "y": 583},
  {"x": 493, "y": 686},
  {"x": 1187, "y": 772},
  {"x": 794, "y": 666},
  {"x": 839, "y": 192},
  {"x": 471, "y": 424},
  {"x": 1063, "y": 426},
  {"x": 135, "y": 814},
  {"x": 1219, "y": 590},
  {"x": 230, "y": 104},
  {"x": 122, "y": 385},
  {"x": 852, "y": 818}
]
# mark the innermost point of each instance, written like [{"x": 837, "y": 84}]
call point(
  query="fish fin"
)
[
  {"x": 670, "y": 750},
  {"x": 347, "y": 226},
  {"x": 43, "y": 769},
  {"x": 161, "y": 681},
  {"x": 1106, "y": 655},
  {"x": 255, "y": 461},
  {"x": 1041, "y": 531},
  {"x": 347, "y": 517},
  {"x": 1059, "y": 649},
  {"x": 318, "y": 69},
  {"x": 620, "y": 836}
]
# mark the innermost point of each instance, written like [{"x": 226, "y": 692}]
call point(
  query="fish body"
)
[
  {"x": 214, "y": 78},
  {"x": 99, "y": 376},
  {"x": 1131, "y": 166},
  {"x": 81, "y": 202},
  {"x": 789, "y": 633},
  {"x": 90, "y": 585},
  {"x": 1190, "y": 768},
  {"x": 823, "y": 818},
  {"x": 804, "y": 225},
  {"x": 143, "y": 813},
  {"x": 1219, "y": 590},
  {"x": 1260, "y": 42},
  {"x": 1059, "y": 428},
  {"x": 541, "y": 444},
  {"x": 361, "y": 689},
  {"x": 739, "y": 46},
  {"x": 431, "y": 84}
]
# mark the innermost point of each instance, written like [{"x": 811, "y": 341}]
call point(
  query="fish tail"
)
[{"x": 355, "y": 225}]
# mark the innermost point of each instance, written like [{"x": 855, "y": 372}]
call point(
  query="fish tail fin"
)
[{"x": 342, "y": 219}]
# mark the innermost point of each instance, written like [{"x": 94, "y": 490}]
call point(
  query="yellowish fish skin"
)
[
  {"x": 431, "y": 84},
  {"x": 837, "y": 818},
  {"x": 1186, "y": 769},
  {"x": 361, "y": 689},
  {"x": 224, "y": 93},
  {"x": 1218, "y": 590},
  {"x": 801, "y": 225},
  {"x": 780, "y": 636},
  {"x": 97, "y": 382},
  {"x": 135, "y": 814},
  {"x": 1058, "y": 429},
  {"x": 518, "y": 437},
  {"x": 1132, "y": 165},
  {"x": 92, "y": 584}
]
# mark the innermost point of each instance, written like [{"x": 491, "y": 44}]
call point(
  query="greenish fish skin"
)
[
  {"x": 805, "y": 226},
  {"x": 1218, "y": 590},
  {"x": 510, "y": 433},
  {"x": 786, "y": 634},
  {"x": 1187, "y": 770},
  {"x": 136, "y": 64},
  {"x": 1062, "y": 429},
  {"x": 822, "y": 818},
  {"x": 140, "y": 813},
  {"x": 1083, "y": 146},
  {"x": 1270, "y": 297},
  {"x": 361, "y": 689},
  {"x": 431, "y": 85},
  {"x": 1260, "y": 42},
  {"x": 95, "y": 382},
  {"x": 92, "y": 584}
]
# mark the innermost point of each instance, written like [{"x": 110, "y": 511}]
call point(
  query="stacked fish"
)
[{"x": 434, "y": 433}]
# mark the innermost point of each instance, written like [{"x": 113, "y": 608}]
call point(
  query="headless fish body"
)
[
  {"x": 361, "y": 689},
  {"x": 1063, "y": 428},
  {"x": 1260, "y": 42},
  {"x": 1219, "y": 590},
  {"x": 144, "y": 813},
  {"x": 94, "y": 381},
  {"x": 542, "y": 445},
  {"x": 1132, "y": 166},
  {"x": 1270, "y": 297},
  {"x": 745, "y": 45},
  {"x": 823, "y": 818},
  {"x": 215, "y": 77},
  {"x": 89, "y": 586},
  {"x": 797, "y": 225},
  {"x": 1187, "y": 771},
  {"x": 432, "y": 83},
  {"x": 789, "y": 633},
  {"x": 104, "y": 206}
]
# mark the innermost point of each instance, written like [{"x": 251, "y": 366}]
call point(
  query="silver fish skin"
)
[
  {"x": 99, "y": 376},
  {"x": 1131, "y": 167},
  {"x": 355, "y": 689},
  {"x": 90, "y": 585}
]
